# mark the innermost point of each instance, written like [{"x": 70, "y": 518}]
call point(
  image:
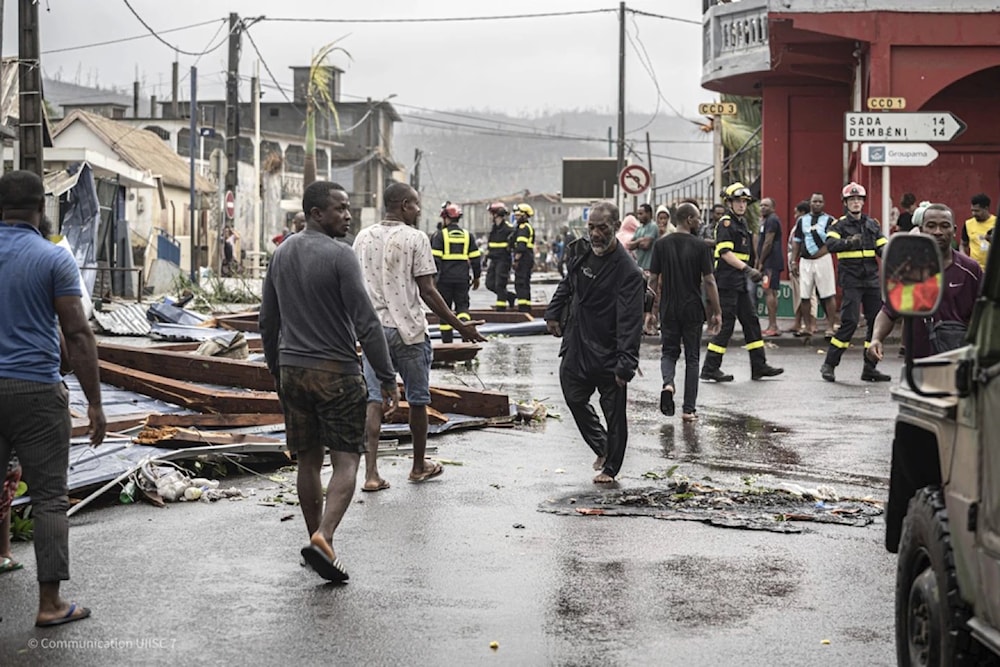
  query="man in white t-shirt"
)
[{"x": 399, "y": 270}]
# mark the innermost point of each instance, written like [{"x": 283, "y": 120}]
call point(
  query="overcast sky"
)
[{"x": 519, "y": 66}]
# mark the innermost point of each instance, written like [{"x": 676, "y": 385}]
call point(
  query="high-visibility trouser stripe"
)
[
  {"x": 465, "y": 317},
  {"x": 833, "y": 235},
  {"x": 840, "y": 343},
  {"x": 881, "y": 241},
  {"x": 494, "y": 244},
  {"x": 474, "y": 254},
  {"x": 524, "y": 302},
  {"x": 445, "y": 327},
  {"x": 500, "y": 304},
  {"x": 718, "y": 349},
  {"x": 453, "y": 256},
  {"x": 523, "y": 239},
  {"x": 855, "y": 254},
  {"x": 754, "y": 345}
]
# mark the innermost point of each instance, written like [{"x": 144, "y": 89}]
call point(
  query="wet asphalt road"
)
[{"x": 438, "y": 570}]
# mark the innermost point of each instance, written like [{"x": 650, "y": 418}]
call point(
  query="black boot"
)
[
  {"x": 827, "y": 371},
  {"x": 872, "y": 374},
  {"x": 712, "y": 370},
  {"x": 765, "y": 371}
]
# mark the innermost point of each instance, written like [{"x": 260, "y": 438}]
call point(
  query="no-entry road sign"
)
[
  {"x": 634, "y": 179},
  {"x": 897, "y": 155},
  {"x": 230, "y": 204},
  {"x": 902, "y": 127}
]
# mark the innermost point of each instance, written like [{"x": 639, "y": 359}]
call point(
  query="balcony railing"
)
[{"x": 735, "y": 39}]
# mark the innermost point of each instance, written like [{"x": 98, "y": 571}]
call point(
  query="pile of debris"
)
[{"x": 752, "y": 508}]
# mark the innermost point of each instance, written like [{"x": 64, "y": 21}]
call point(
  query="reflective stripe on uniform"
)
[
  {"x": 458, "y": 237},
  {"x": 523, "y": 239},
  {"x": 498, "y": 244},
  {"x": 724, "y": 245},
  {"x": 754, "y": 345},
  {"x": 855, "y": 254},
  {"x": 718, "y": 349},
  {"x": 465, "y": 317},
  {"x": 881, "y": 241},
  {"x": 742, "y": 255},
  {"x": 832, "y": 235},
  {"x": 524, "y": 302},
  {"x": 445, "y": 327},
  {"x": 500, "y": 304},
  {"x": 836, "y": 342},
  {"x": 868, "y": 344}
]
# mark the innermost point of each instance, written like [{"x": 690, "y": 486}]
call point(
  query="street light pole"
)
[{"x": 621, "y": 93}]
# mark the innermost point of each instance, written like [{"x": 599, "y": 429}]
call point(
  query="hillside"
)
[{"x": 472, "y": 155}]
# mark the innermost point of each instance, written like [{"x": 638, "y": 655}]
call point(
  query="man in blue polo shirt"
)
[{"x": 39, "y": 293}]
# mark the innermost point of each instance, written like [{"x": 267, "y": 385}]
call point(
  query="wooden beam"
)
[
  {"x": 443, "y": 352},
  {"x": 472, "y": 402},
  {"x": 189, "y": 367},
  {"x": 200, "y": 399},
  {"x": 402, "y": 415},
  {"x": 115, "y": 424},
  {"x": 163, "y": 435},
  {"x": 215, "y": 421}
]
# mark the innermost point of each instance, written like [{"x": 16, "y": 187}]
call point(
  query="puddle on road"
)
[
  {"x": 731, "y": 436},
  {"x": 691, "y": 591}
]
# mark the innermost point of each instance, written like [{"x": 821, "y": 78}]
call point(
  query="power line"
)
[
  {"x": 120, "y": 40},
  {"x": 440, "y": 19},
  {"x": 160, "y": 39},
  {"x": 663, "y": 16},
  {"x": 267, "y": 68}
]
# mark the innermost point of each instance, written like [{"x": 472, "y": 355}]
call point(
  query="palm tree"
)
[
  {"x": 318, "y": 99},
  {"x": 741, "y": 141}
]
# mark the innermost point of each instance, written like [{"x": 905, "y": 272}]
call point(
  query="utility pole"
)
[
  {"x": 621, "y": 90},
  {"x": 191, "y": 144},
  {"x": 717, "y": 157},
  {"x": 257, "y": 235},
  {"x": 233, "y": 104},
  {"x": 175, "y": 111},
  {"x": 30, "y": 75},
  {"x": 415, "y": 176},
  {"x": 652, "y": 174}
]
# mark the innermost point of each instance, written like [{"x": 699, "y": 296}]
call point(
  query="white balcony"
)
[{"x": 736, "y": 40}]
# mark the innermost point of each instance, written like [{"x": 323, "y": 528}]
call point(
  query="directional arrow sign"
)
[
  {"x": 897, "y": 155},
  {"x": 902, "y": 127}
]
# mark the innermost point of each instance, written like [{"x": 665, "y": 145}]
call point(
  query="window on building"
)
[{"x": 275, "y": 111}]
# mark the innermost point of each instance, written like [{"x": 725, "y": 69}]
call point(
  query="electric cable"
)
[
  {"x": 160, "y": 39},
  {"x": 439, "y": 19},
  {"x": 121, "y": 40}
]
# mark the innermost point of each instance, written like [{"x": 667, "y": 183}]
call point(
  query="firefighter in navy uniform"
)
[
  {"x": 524, "y": 255},
  {"x": 498, "y": 256},
  {"x": 733, "y": 264},
  {"x": 856, "y": 241},
  {"x": 455, "y": 253}
]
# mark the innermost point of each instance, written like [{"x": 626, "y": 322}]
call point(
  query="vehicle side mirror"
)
[{"x": 912, "y": 275}]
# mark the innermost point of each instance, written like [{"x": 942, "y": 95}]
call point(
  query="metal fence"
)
[{"x": 744, "y": 166}]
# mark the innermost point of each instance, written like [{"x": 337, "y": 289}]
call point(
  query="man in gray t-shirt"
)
[{"x": 312, "y": 313}]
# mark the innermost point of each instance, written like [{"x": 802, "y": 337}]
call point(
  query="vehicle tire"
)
[{"x": 931, "y": 617}]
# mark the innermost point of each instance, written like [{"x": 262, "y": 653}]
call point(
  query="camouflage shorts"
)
[{"x": 323, "y": 409}]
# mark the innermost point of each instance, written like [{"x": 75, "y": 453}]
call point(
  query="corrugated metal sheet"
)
[{"x": 124, "y": 321}]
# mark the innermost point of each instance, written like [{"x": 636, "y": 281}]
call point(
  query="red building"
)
[{"x": 811, "y": 62}]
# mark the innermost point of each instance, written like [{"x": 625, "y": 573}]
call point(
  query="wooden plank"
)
[
  {"x": 189, "y": 367},
  {"x": 215, "y": 421},
  {"x": 443, "y": 352},
  {"x": 115, "y": 424},
  {"x": 468, "y": 401},
  {"x": 200, "y": 399},
  {"x": 402, "y": 415},
  {"x": 163, "y": 435}
]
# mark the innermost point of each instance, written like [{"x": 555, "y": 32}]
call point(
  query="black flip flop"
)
[
  {"x": 331, "y": 570},
  {"x": 68, "y": 618},
  {"x": 667, "y": 402}
]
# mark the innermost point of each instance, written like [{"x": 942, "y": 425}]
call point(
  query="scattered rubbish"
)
[
  {"x": 519, "y": 526},
  {"x": 449, "y": 462},
  {"x": 559, "y": 471},
  {"x": 494, "y": 645},
  {"x": 825, "y": 641},
  {"x": 750, "y": 507},
  {"x": 286, "y": 517}
]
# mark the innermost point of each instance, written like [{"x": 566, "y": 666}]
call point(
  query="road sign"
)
[
  {"x": 207, "y": 131},
  {"x": 717, "y": 109},
  {"x": 897, "y": 155},
  {"x": 230, "y": 204},
  {"x": 634, "y": 179},
  {"x": 902, "y": 127},
  {"x": 886, "y": 103}
]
